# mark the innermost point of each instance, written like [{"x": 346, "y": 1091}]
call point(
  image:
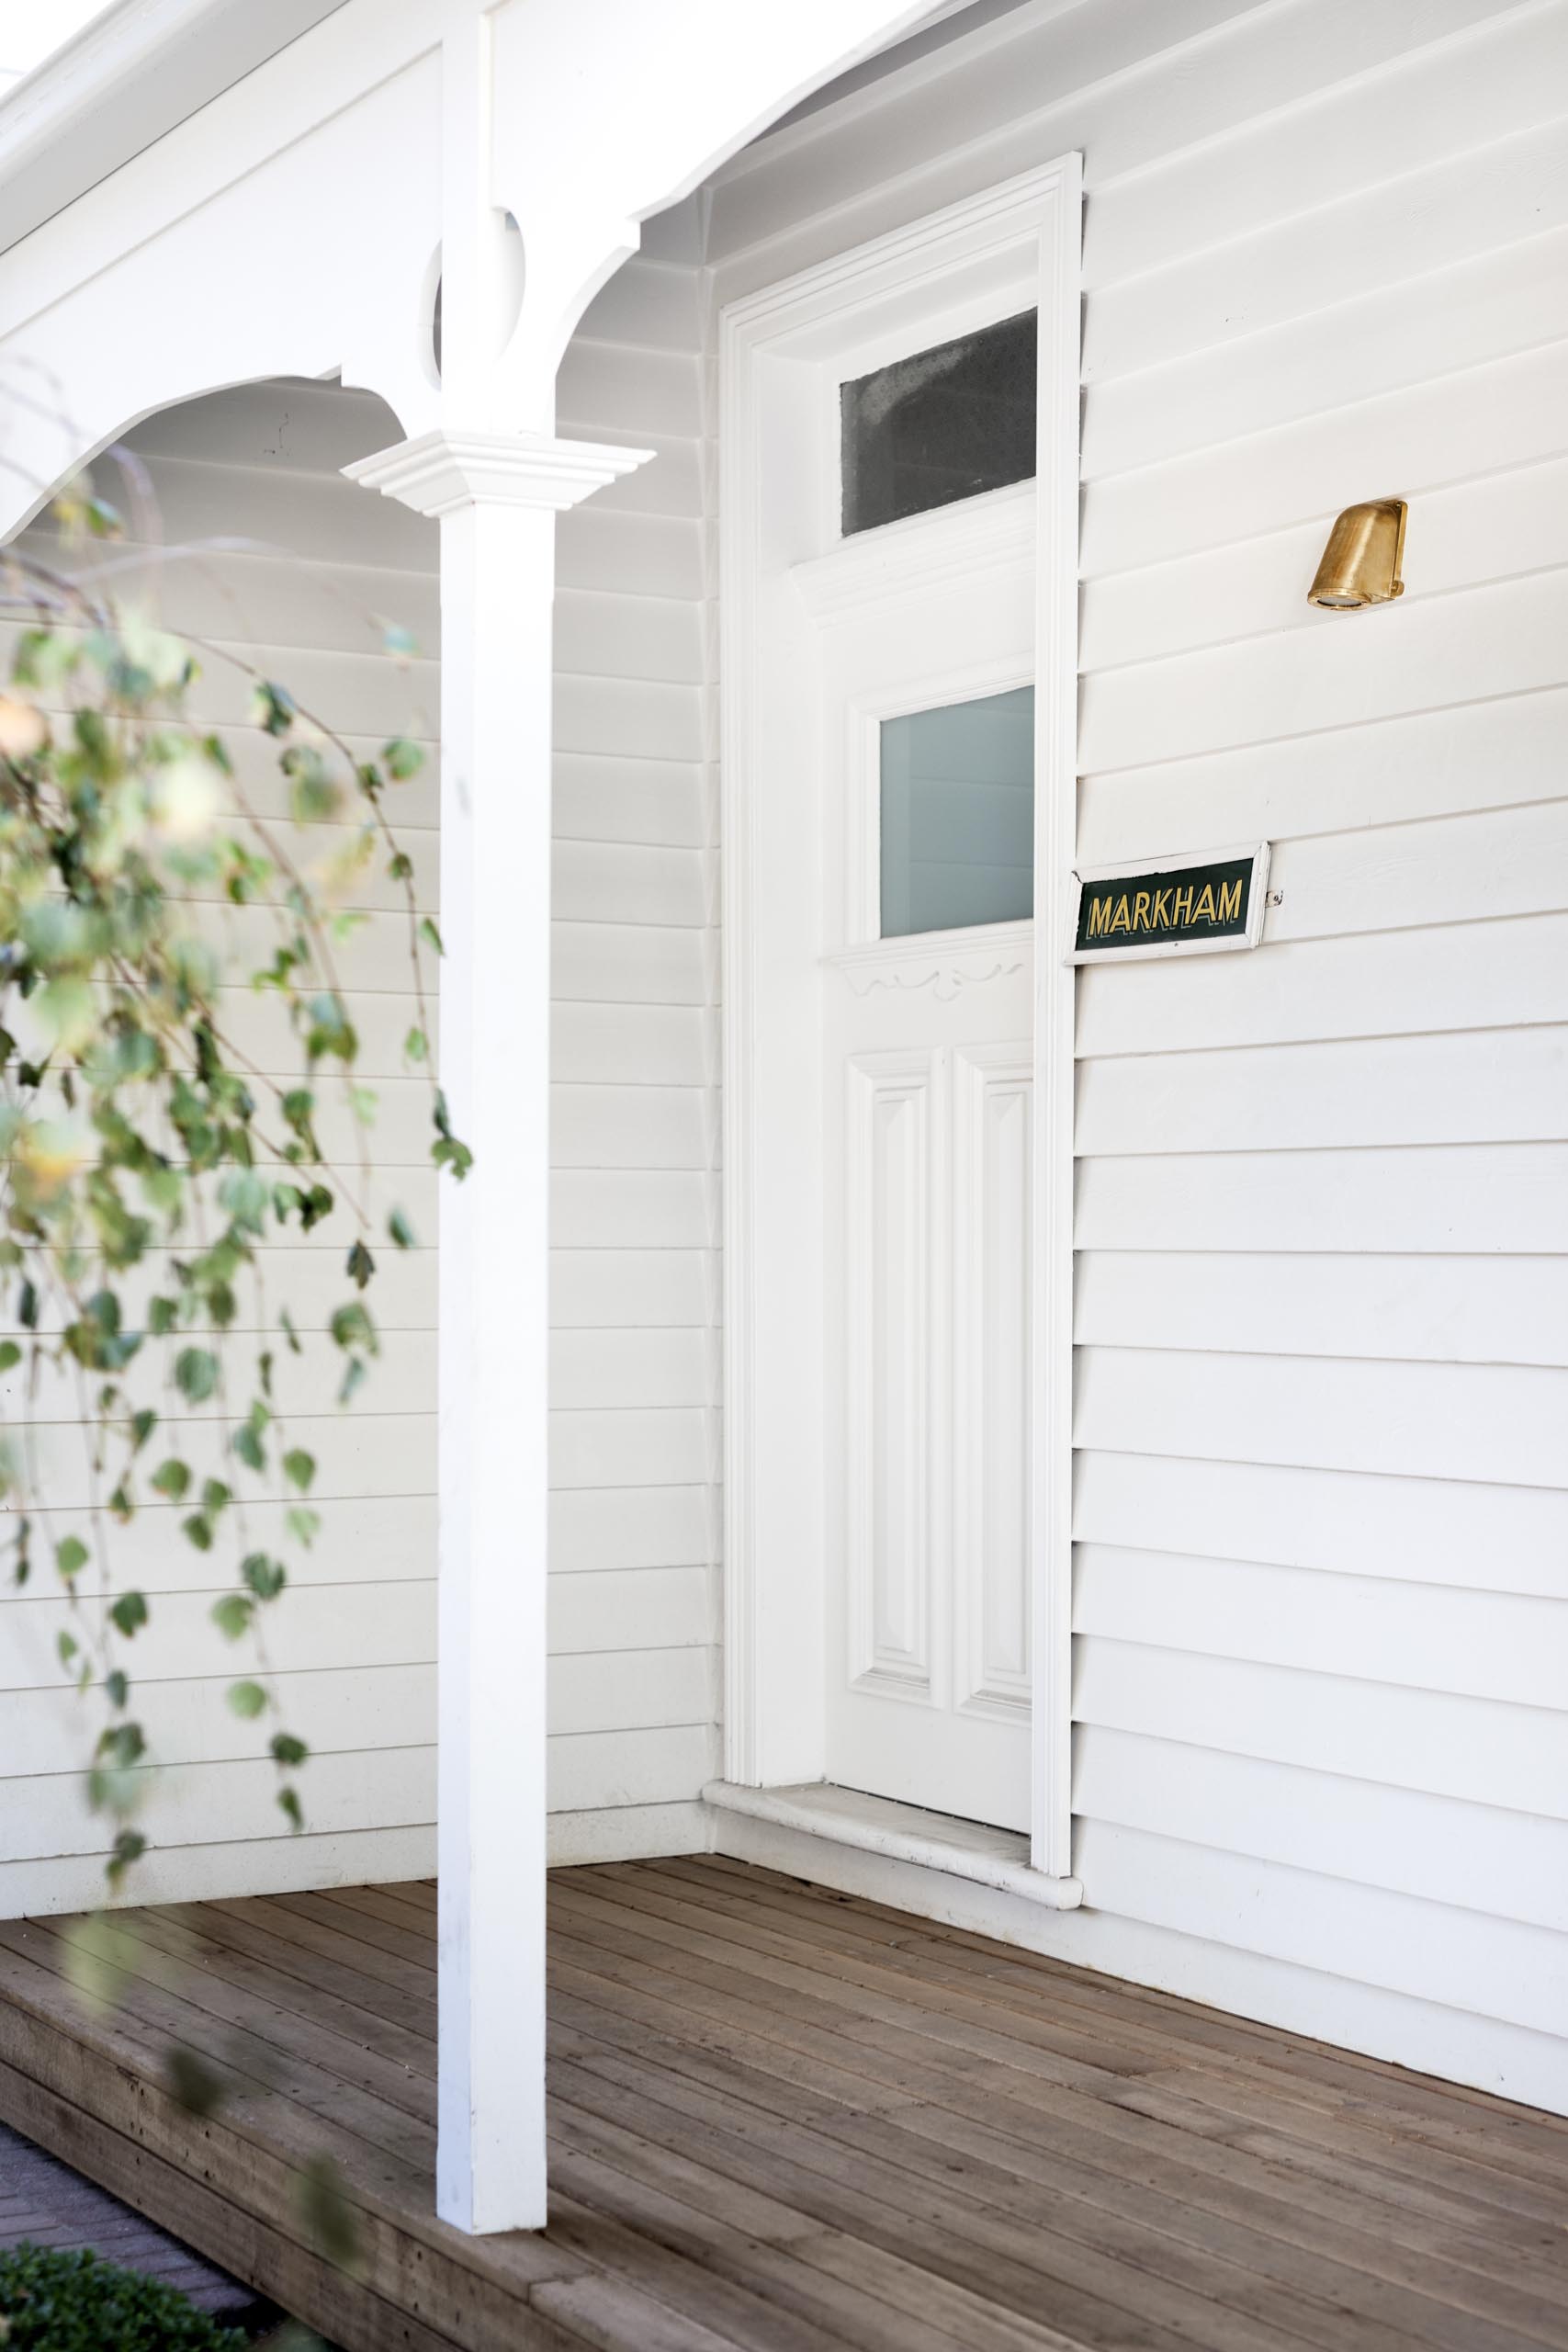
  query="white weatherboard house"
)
[{"x": 868, "y": 474}]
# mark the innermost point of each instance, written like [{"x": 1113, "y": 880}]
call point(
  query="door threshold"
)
[{"x": 901, "y": 1833}]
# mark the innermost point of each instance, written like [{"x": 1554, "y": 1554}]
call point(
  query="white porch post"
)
[
  {"x": 497, "y": 496},
  {"x": 570, "y": 121}
]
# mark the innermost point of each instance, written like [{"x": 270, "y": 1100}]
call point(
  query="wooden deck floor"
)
[{"x": 789, "y": 2121}]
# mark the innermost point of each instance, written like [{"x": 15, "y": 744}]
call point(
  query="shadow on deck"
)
[{"x": 791, "y": 2122}]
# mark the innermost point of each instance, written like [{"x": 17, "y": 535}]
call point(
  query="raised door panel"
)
[
  {"x": 993, "y": 1124},
  {"x": 893, "y": 1128}
]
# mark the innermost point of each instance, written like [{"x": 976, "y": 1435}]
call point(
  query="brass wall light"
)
[{"x": 1361, "y": 562}]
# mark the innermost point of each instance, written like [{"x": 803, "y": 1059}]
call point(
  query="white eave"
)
[
  {"x": 126, "y": 79},
  {"x": 144, "y": 66}
]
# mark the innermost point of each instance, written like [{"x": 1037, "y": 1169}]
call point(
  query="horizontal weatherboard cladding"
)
[
  {"x": 1320, "y": 1492},
  {"x": 633, "y": 1269}
]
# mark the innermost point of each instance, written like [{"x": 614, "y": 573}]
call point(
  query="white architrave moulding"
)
[
  {"x": 1031, "y": 225},
  {"x": 497, "y": 496}
]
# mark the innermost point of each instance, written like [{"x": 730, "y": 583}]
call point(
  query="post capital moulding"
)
[{"x": 440, "y": 472}]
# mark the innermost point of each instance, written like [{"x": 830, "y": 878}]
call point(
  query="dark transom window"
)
[{"x": 943, "y": 424}]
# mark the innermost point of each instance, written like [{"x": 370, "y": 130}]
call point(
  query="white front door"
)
[
  {"x": 895, "y": 1531},
  {"x": 927, "y": 728}
]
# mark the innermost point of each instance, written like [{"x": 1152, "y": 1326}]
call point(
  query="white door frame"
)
[{"x": 1022, "y": 238}]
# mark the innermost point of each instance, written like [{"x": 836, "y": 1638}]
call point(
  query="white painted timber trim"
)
[
  {"x": 442, "y": 472},
  {"x": 903, "y": 560},
  {"x": 129, "y": 77},
  {"x": 1035, "y": 221},
  {"x": 901, "y": 1833},
  {"x": 1057, "y": 474},
  {"x": 944, "y": 961}
]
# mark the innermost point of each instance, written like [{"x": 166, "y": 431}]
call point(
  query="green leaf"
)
[
  {"x": 265, "y": 1577},
  {"x": 361, "y": 1264},
  {"x": 246, "y": 1443},
  {"x": 448, "y": 1152},
  {"x": 351, "y": 1327},
  {"x": 287, "y": 1751},
  {"x": 400, "y": 1230},
  {"x": 103, "y": 1310},
  {"x": 288, "y": 1799},
  {"x": 331, "y": 1030},
  {"x": 143, "y": 1425},
  {"x": 272, "y": 708},
  {"x": 247, "y": 1447},
  {"x": 299, "y": 1111},
  {"x": 198, "y": 1530},
  {"x": 129, "y": 1613},
  {"x": 244, "y": 1196},
  {"x": 215, "y": 1496},
  {"x": 303, "y": 1525},
  {"x": 430, "y": 935},
  {"x": 314, "y": 799},
  {"x": 416, "y": 1046},
  {"x": 231, "y": 1615},
  {"x": 67, "y": 1646},
  {"x": 123, "y": 1744},
  {"x": 247, "y": 1700},
  {"x": 10, "y": 1355},
  {"x": 315, "y": 1204},
  {"x": 401, "y": 759},
  {"x": 70, "y": 1556},
  {"x": 118, "y": 1688},
  {"x": 196, "y": 1374},
  {"x": 129, "y": 1847},
  {"x": 173, "y": 1480},
  {"x": 298, "y": 1468}
]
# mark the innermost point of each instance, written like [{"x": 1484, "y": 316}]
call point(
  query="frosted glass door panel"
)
[{"x": 958, "y": 814}]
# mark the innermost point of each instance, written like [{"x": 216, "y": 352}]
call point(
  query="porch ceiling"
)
[{"x": 784, "y": 2119}]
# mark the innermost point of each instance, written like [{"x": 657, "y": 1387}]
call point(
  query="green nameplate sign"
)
[{"x": 1178, "y": 906}]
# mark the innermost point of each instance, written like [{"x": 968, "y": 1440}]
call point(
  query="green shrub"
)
[{"x": 53, "y": 2301}]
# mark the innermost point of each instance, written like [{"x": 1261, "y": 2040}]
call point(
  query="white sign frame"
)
[{"x": 1128, "y": 869}]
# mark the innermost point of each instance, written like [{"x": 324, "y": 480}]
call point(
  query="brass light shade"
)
[{"x": 1361, "y": 562}]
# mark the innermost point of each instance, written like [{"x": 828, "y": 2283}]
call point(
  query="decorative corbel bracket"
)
[{"x": 440, "y": 472}]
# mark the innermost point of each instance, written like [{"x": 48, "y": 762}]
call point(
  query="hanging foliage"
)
[{"x": 152, "y": 907}]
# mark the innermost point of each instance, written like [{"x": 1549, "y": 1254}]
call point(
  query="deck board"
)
[{"x": 783, "y": 2120}]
